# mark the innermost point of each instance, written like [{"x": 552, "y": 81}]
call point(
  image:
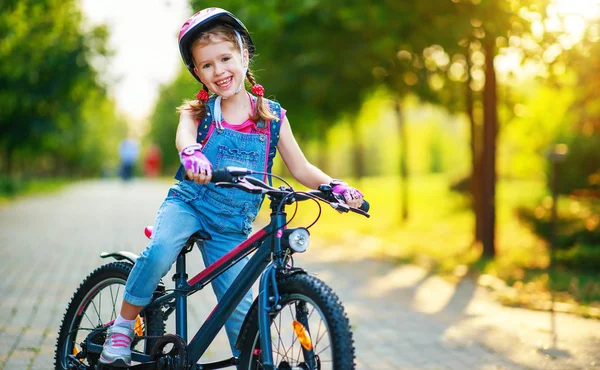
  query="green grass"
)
[
  {"x": 11, "y": 189},
  {"x": 440, "y": 223},
  {"x": 439, "y": 231}
]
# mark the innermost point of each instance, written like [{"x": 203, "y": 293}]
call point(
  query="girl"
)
[{"x": 229, "y": 128}]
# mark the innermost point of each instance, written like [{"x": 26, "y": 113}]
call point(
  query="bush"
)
[
  {"x": 10, "y": 186},
  {"x": 577, "y": 231},
  {"x": 581, "y": 166},
  {"x": 579, "y": 257}
]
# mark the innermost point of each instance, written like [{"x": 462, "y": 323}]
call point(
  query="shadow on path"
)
[{"x": 421, "y": 318}]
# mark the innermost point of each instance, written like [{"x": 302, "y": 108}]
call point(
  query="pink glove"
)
[
  {"x": 348, "y": 192},
  {"x": 192, "y": 159}
]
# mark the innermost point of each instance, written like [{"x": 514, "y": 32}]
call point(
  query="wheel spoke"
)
[
  {"x": 285, "y": 350},
  {"x": 279, "y": 341},
  {"x": 113, "y": 298},
  {"x": 295, "y": 304},
  {"x": 86, "y": 313},
  {"x": 88, "y": 319},
  {"x": 319, "y": 337},
  {"x": 100, "y": 308},
  {"x": 323, "y": 350},
  {"x": 313, "y": 315},
  {"x": 93, "y": 304}
]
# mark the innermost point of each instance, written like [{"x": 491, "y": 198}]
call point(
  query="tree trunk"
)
[
  {"x": 403, "y": 162},
  {"x": 475, "y": 183},
  {"x": 488, "y": 169}
]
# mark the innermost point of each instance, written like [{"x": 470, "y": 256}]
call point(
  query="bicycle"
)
[{"x": 306, "y": 323}]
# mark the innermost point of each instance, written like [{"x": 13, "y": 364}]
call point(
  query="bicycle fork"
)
[{"x": 268, "y": 304}]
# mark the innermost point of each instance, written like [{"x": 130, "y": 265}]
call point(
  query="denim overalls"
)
[{"x": 226, "y": 214}]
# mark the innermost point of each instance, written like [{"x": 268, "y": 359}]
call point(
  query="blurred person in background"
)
[
  {"x": 128, "y": 153},
  {"x": 152, "y": 161}
]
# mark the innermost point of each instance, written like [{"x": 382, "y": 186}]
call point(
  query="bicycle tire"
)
[
  {"x": 296, "y": 290},
  {"x": 88, "y": 296}
]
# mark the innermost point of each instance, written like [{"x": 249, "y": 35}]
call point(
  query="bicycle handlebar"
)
[
  {"x": 235, "y": 177},
  {"x": 228, "y": 174}
]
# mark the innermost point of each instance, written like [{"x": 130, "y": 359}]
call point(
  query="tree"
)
[
  {"x": 45, "y": 78},
  {"x": 398, "y": 51},
  {"x": 467, "y": 35}
]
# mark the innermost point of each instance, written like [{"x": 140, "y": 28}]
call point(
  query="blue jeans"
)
[{"x": 190, "y": 207}]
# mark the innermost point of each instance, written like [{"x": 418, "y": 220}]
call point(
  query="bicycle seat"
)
[{"x": 199, "y": 236}]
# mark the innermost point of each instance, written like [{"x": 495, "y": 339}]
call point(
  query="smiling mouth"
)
[{"x": 224, "y": 82}]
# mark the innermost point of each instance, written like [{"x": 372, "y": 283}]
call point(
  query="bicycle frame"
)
[{"x": 267, "y": 245}]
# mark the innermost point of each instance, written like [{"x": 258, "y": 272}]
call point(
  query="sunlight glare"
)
[
  {"x": 572, "y": 17},
  {"x": 588, "y": 9}
]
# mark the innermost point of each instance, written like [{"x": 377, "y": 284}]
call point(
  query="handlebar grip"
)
[
  {"x": 221, "y": 175},
  {"x": 364, "y": 206}
]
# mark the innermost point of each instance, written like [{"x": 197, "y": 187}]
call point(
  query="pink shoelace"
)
[{"x": 120, "y": 340}]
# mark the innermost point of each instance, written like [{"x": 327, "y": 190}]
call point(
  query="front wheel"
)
[
  {"x": 93, "y": 307},
  {"x": 309, "y": 331}
]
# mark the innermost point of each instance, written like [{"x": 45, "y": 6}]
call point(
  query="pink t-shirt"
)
[{"x": 248, "y": 126}]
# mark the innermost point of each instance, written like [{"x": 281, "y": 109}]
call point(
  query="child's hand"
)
[
  {"x": 197, "y": 166},
  {"x": 353, "y": 196}
]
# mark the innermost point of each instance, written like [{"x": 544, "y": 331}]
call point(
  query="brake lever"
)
[
  {"x": 242, "y": 184},
  {"x": 340, "y": 207},
  {"x": 342, "y": 204}
]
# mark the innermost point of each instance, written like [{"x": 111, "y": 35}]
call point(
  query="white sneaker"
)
[{"x": 117, "y": 347}]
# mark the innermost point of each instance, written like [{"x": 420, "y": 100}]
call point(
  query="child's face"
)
[{"x": 219, "y": 66}]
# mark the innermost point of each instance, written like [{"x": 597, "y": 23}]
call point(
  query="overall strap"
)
[
  {"x": 274, "y": 126},
  {"x": 204, "y": 125}
]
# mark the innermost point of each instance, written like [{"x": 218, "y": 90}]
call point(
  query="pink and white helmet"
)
[{"x": 202, "y": 21}]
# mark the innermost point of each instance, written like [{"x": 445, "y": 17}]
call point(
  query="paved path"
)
[{"x": 402, "y": 317}]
